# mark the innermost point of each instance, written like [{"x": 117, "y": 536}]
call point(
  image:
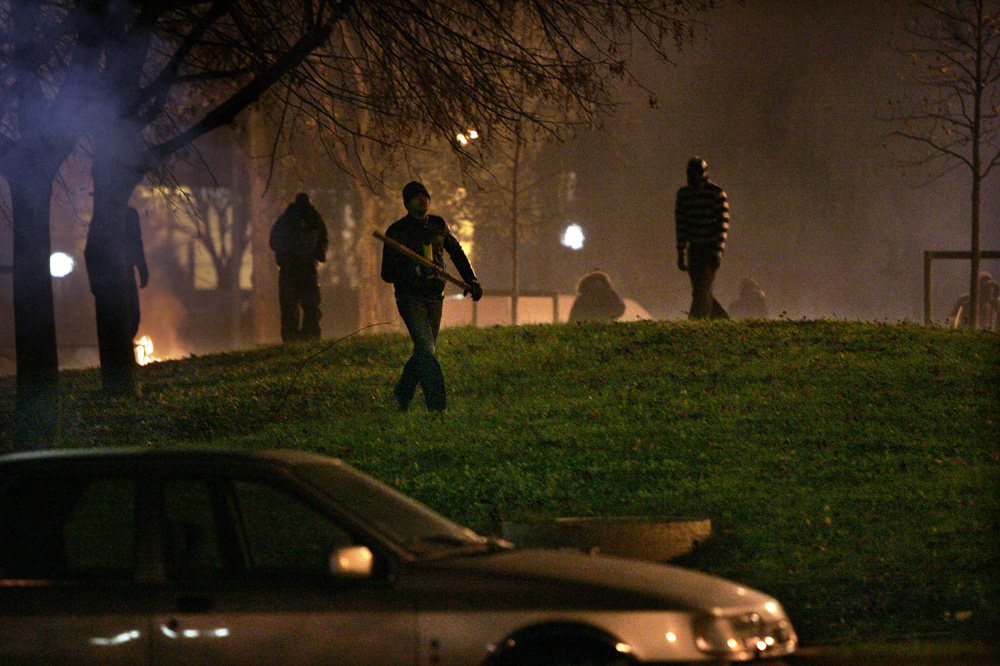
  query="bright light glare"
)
[
  {"x": 117, "y": 640},
  {"x": 61, "y": 264},
  {"x": 573, "y": 237},
  {"x": 671, "y": 637},
  {"x": 771, "y": 607},
  {"x": 464, "y": 139}
]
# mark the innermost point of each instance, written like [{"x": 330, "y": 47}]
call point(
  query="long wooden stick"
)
[{"x": 423, "y": 261}]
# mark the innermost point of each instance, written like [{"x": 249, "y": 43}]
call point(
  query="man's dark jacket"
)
[
  {"x": 430, "y": 238},
  {"x": 299, "y": 237}
]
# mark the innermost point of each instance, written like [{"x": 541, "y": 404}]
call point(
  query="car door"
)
[
  {"x": 68, "y": 591},
  {"x": 247, "y": 582}
]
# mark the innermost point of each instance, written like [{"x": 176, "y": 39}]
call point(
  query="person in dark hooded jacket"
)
[
  {"x": 299, "y": 241},
  {"x": 988, "y": 316},
  {"x": 419, "y": 292},
  {"x": 751, "y": 303},
  {"x": 596, "y": 299}
]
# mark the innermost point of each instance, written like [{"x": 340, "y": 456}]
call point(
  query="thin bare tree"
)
[{"x": 955, "y": 122}]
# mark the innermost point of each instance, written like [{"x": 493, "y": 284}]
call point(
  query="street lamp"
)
[
  {"x": 61, "y": 264},
  {"x": 465, "y": 138},
  {"x": 573, "y": 237}
]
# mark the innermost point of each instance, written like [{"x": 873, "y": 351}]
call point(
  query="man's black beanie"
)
[{"x": 412, "y": 189}]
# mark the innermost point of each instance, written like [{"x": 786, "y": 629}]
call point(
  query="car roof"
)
[{"x": 282, "y": 456}]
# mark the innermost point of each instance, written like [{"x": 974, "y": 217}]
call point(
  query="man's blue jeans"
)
[{"x": 422, "y": 316}]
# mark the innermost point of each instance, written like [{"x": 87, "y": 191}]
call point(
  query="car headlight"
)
[{"x": 744, "y": 637}]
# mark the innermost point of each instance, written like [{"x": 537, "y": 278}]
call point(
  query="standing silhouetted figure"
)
[
  {"x": 596, "y": 299},
  {"x": 420, "y": 292},
  {"x": 299, "y": 241},
  {"x": 113, "y": 254},
  {"x": 702, "y": 220},
  {"x": 751, "y": 303}
]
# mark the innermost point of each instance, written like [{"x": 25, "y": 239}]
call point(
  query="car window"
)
[
  {"x": 232, "y": 528},
  {"x": 284, "y": 535},
  {"x": 67, "y": 527},
  {"x": 400, "y": 518},
  {"x": 191, "y": 539}
]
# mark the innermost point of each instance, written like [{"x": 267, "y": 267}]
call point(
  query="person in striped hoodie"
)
[{"x": 702, "y": 219}]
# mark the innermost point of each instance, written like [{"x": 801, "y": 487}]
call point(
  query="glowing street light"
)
[
  {"x": 464, "y": 139},
  {"x": 573, "y": 237},
  {"x": 61, "y": 264}
]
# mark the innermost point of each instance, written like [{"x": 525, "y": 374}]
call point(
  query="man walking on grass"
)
[
  {"x": 702, "y": 219},
  {"x": 420, "y": 292}
]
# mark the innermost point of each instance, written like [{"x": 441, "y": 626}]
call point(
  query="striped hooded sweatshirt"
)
[{"x": 702, "y": 216}]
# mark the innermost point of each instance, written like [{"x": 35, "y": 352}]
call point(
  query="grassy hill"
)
[{"x": 849, "y": 469}]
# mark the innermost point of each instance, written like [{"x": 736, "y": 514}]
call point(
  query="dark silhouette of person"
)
[
  {"x": 988, "y": 316},
  {"x": 113, "y": 254},
  {"x": 751, "y": 302},
  {"x": 299, "y": 240},
  {"x": 419, "y": 292},
  {"x": 596, "y": 299},
  {"x": 135, "y": 260},
  {"x": 702, "y": 224}
]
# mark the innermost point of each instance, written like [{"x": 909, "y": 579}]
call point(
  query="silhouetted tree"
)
[
  {"x": 956, "y": 63},
  {"x": 43, "y": 98}
]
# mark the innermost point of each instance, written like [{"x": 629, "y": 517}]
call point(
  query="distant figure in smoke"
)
[
  {"x": 299, "y": 241},
  {"x": 135, "y": 260},
  {"x": 751, "y": 303},
  {"x": 596, "y": 299},
  {"x": 702, "y": 220},
  {"x": 989, "y": 306},
  {"x": 419, "y": 292},
  {"x": 113, "y": 254}
]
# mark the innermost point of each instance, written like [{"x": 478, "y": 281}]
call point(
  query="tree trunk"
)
[
  {"x": 369, "y": 262},
  {"x": 974, "y": 294},
  {"x": 515, "y": 254},
  {"x": 266, "y": 318},
  {"x": 977, "y": 171},
  {"x": 37, "y": 405}
]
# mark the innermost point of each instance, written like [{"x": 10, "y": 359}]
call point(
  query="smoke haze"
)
[{"x": 783, "y": 100}]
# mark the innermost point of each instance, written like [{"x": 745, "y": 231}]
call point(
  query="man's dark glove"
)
[{"x": 475, "y": 290}]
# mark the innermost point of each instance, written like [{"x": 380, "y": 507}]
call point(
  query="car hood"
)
[{"x": 634, "y": 583}]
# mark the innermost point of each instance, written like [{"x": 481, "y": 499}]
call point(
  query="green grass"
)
[{"x": 849, "y": 469}]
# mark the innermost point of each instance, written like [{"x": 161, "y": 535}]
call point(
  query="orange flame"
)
[{"x": 144, "y": 351}]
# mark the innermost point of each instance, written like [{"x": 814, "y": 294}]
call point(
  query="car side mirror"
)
[{"x": 352, "y": 562}]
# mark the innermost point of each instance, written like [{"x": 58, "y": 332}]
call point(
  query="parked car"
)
[{"x": 189, "y": 556}]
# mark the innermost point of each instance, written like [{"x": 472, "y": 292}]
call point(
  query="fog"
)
[{"x": 783, "y": 100}]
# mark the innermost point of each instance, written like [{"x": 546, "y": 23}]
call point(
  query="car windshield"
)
[{"x": 401, "y": 519}]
